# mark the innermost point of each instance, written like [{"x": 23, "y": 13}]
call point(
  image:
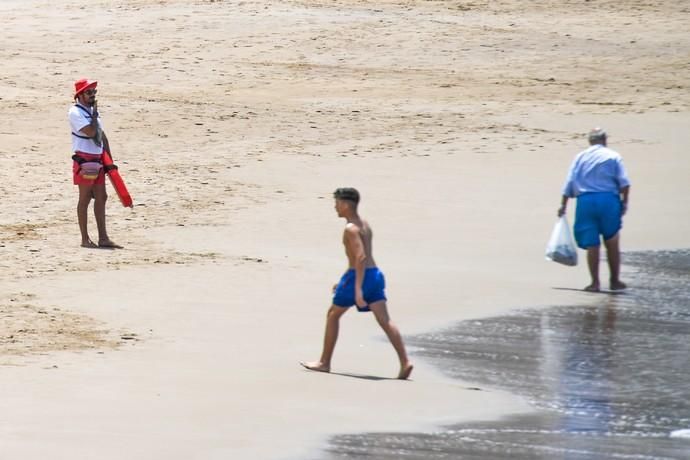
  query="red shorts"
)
[{"x": 78, "y": 179}]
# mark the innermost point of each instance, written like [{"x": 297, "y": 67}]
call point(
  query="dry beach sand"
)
[{"x": 232, "y": 122}]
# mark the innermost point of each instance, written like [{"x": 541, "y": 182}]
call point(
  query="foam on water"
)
[{"x": 680, "y": 434}]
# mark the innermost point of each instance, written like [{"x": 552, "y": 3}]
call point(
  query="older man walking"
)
[{"x": 597, "y": 178}]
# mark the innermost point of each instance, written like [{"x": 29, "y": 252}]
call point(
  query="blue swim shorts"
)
[
  {"x": 597, "y": 214},
  {"x": 372, "y": 288}
]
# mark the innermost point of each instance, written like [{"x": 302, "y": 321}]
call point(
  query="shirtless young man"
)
[{"x": 362, "y": 285}]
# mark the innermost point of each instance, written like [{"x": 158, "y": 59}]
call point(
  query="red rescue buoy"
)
[{"x": 116, "y": 180}]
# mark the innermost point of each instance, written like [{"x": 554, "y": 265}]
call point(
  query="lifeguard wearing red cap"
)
[{"x": 82, "y": 85}]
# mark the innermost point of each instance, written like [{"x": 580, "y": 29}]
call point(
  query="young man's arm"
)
[{"x": 355, "y": 252}]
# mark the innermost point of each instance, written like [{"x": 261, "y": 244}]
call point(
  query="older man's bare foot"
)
[
  {"x": 107, "y": 244},
  {"x": 88, "y": 244},
  {"x": 405, "y": 372},
  {"x": 317, "y": 366},
  {"x": 594, "y": 287},
  {"x": 617, "y": 285}
]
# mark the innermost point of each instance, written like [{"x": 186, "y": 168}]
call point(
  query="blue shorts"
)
[
  {"x": 372, "y": 288},
  {"x": 597, "y": 214}
]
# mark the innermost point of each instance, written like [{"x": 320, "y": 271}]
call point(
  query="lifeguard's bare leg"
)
[
  {"x": 100, "y": 198},
  {"x": 380, "y": 311},
  {"x": 85, "y": 195},
  {"x": 329, "y": 340}
]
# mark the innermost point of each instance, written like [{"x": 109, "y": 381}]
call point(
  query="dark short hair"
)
[{"x": 346, "y": 193}]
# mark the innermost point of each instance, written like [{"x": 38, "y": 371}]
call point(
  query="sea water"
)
[{"x": 607, "y": 381}]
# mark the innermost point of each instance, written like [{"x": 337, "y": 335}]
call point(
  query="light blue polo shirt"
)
[{"x": 597, "y": 169}]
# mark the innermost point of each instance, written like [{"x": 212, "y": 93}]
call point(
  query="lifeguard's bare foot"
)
[
  {"x": 405, "y": 372},
  {"x": 317, "y": 366},
  {"x": 594, "y": 287},
  {"x": 88, "y": 244},
  {"x": 617, "y": 285},
  {"x": 107, "y": 244}
]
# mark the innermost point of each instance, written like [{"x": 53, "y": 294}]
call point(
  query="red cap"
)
[{"x": 82, "y": 85}]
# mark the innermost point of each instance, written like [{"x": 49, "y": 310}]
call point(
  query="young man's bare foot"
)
[
  {"x": 594, "y": 287},
  {"x": 88, "y": 244},
  {"x": 405, "y": 372},
  {"x": 617, "y": 285},
  {"x": 107, "y": 244},
  {"x": 316, "y": 366}
]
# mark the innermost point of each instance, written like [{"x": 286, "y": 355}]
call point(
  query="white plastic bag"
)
[{"x": 561, "y": 247}]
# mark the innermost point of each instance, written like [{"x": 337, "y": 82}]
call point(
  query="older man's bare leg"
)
[
  {"x": 593, "y": 264},
  {"x": 613, "y": 254}
]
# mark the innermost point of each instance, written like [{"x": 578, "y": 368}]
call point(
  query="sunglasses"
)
[{"x": 90, "y": 92}]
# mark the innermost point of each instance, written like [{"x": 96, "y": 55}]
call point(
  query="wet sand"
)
[
  {"x": 232, "y": 123},
  {"x": 606, "y": 380}
]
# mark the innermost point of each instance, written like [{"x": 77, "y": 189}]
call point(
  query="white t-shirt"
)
[{"x": 79, "y": 117}]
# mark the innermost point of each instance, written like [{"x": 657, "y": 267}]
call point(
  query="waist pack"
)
[{"x": 88, "y": 169}]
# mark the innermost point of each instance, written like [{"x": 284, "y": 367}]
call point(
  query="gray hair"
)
[{"x": 597, "y": 136}]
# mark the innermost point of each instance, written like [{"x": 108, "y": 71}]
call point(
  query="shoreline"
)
[
  {"x": 232, "y": 123},
  {"x": 586, "y": 372}
]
